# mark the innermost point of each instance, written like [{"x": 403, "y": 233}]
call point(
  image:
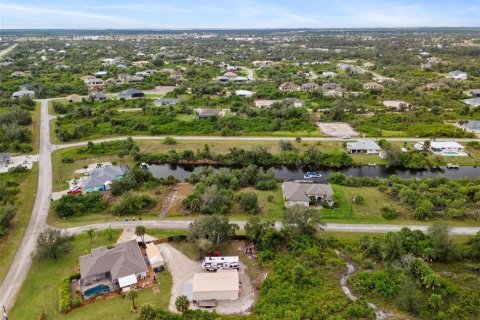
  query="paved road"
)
[
  {"x": 22, "y": 262},
  {"x": 218, "y": 138},
  {"x": 331, "y": 227}
]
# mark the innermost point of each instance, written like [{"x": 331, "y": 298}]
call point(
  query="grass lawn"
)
[
  {"x": 368, "y": 212},
  {"x": 18, "y": 225},
  {"x": 40, "y": 290}
]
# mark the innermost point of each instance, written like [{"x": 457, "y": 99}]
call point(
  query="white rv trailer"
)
[{"x": 220, "y": 263}]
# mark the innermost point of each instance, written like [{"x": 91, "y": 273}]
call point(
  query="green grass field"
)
[{"x": 40, "y": 290}]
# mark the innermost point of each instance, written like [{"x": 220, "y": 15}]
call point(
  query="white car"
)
[{"x": 346, "y": 137}]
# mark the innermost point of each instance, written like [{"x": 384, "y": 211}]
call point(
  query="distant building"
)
[
  {"x": 295, "y": 102},
  {"x": 458, "y": 75},
  {"x": 73, "y": 98},
  {"x": 166, "y": 102},
  {"x": 373, "y": 86},
  {"x": 208, "y": 113},
  {"x": 265, "y": 104},
  {"x": 447, "y": 148},
  {"x": 475, "y": 93},
  {"x": 436, "y": 85},
  {"x": 363, "y": 147},
  {"x": 310, "y": 86},
  {"x": 98, "y": 96},
  {"x": 131, "y": 93},
  {"x": 18, "y": 74},
  {"x": 289, "y": 86},
  {"x": 329, "y": 74},
  {"x": 244, "y": 93},
  {"x": 23, "y": 93},
  {"x": 94, "y": 82},
  {"x": 305, "y": 192}
]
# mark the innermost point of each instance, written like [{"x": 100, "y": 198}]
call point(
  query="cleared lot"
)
[
  {"x": 336, "y": 129},
  {"x": 182, "y": 269}
]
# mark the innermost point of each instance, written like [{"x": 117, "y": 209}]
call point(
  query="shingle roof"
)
[
  {"x": 301, "y": 191},
  {"x": 363, "y": 145},
  {"x": 101, "y": 175},
  {"x": 123, "y": 260}
]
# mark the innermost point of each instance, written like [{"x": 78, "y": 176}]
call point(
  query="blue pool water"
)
[{"x": 98, "y": 290}]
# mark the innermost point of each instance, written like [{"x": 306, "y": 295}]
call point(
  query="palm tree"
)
[
  {"x": 132, "y": 295},
  {"x": 109, "y": 233},
  {"x": 140, "y": 232},
  {"x": 182, "y": 304},
  {"x": 91, "y": 233}
]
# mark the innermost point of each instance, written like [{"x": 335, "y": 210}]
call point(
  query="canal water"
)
[{"x": 290, "y": 173}]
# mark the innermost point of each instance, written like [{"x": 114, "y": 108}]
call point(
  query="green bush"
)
[
  {"x": 64, "y": 297},
  {"x": 68, "y": 159},
  {"x": 169, "y": 141},
  {"x": 249, "y": 202},
  {"x": 389, "y": 213}
]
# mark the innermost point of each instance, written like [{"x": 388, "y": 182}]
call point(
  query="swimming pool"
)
[{"x": 98, "y": 290}]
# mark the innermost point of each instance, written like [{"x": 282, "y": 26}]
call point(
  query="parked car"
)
[
  {"x": 346, "y": 137},
  {"x": 75, "y": 190}
]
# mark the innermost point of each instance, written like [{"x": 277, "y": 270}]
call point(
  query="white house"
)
[
  {"x": 397, "y": 104},
  {"x": 458, "y": 75},
  {"x": 363, "y": 147},
  {"x": 474, "y": 102},
  {"x": 329, "y": 74},
  {"x": 264, "y": 104},
  {"x": 447, "y": 148},
  {"x": 244, "y": 93}
]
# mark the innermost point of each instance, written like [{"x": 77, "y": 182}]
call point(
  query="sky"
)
[{"x": 236, "y": 14}]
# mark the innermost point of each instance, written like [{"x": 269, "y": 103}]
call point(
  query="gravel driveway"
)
[{"x": 182, "y": 269}]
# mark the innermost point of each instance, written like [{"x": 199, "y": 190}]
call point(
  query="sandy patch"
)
[{"x": 336, "y": 129}]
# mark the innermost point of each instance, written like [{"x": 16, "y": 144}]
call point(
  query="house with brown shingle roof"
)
[
  {"x": 302, "y": 192},
  {"x": 289, "y": 86}
]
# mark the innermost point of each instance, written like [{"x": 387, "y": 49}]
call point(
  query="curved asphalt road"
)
[{"x": 21, "y": 264}]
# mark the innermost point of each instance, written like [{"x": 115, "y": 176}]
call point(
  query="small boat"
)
[
  {"x": 452, "y": 166},
  {"x": 372, "y": 164},
  {"x": 312, "y": 175}
]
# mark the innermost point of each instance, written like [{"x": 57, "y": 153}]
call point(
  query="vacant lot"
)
[{"x": 336, "y": 129}]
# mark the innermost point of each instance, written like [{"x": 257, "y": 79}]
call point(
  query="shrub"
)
[
  {"x": 64, "y": 298},
  {"x": 389, "y": 213},
  {"x": 169, "y": 141},
  {"x": 68, "y": 159},
  {"x": 249, "y": 202},
  {"x": 359, "y": 199}
]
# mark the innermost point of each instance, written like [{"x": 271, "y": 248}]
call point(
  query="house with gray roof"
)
[
  {"x": 474, "y": 102},
  {"x": 105, "y": 270},
  {"x": 166, "y": 102},
  {"x": 131, "y": 93},
  {"x": 23, "y": 93},
  {"x": 363, "y": 147},
  {"x": 305, "y": 192},
  {"x": 208, "y": 113},
  {"x": 102, "y": 178}
]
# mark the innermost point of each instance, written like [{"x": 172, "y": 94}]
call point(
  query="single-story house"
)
[
  {"x": 384, "y": 79},
  {"x": 303, "y": 192},
  {"x": 474, "y": 102},
  {"x": 94, "y": 82},
  {"x": 220, "y": 285},
  {"x": 98, "y": 96},
  {"x": 331, "y": 86},
  {"x": 293, "y": 102},
  {"x": 154, "y": 256},
  {"x": 289, "y": 86},
  {"x": 134, "y": 79},
  {"x": 329, "y": 74},
  {"x": 363, "y": 147},
  {"x": 86, "y": 77},
  {"x": 446, "y": 147},
  {"x": 373, "y": 86},
  {"x": 23, "y": 93},
  {"x": 244, "y": 93},
  {"x": 5, "y": 159},
  {"x": 208, "y": 113},
  {"x": 230, "y": 75},
  {"x": 106, "y": 270},
  {"x": 458, "y": 75},
  {"x": 264, "y": 104},
  {"x": 102, "y": 178},
  {"x": 166, "y": 102},
  {"x": 397, "y": 104},
  {"x": 368, "y": 65},
  {"x": 73, "y": 98},
  {"x": 131, "y": 93},
  {"x": 310, "y": 86}
]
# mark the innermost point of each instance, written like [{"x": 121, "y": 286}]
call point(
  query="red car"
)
[{"x": 75, "y": 191}]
